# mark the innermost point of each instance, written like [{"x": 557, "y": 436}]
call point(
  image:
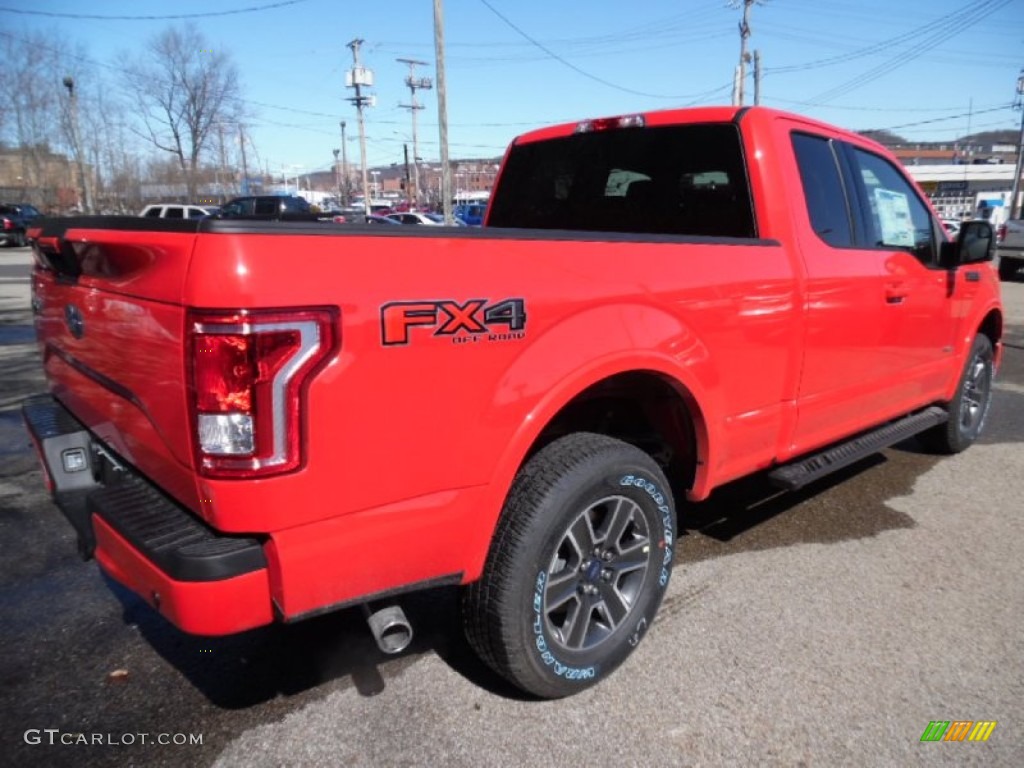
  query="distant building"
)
[
  {"x": 36, "y": 175},
  {"x": 959, "y": 177}
]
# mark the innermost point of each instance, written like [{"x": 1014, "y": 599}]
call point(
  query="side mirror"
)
[{"x": 975, "y": 242}]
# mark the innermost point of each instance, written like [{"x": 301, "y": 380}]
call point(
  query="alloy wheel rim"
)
[
  {"x": 974, "y": 402},
  {"x": 597, "y": 573}
]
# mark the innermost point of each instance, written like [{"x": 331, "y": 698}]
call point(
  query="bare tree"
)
[
  {"x": 27, "y": 91},
  {"x": 183, "y": 89}
]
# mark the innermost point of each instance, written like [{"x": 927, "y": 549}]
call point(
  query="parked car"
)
[
  {"x": 15, "y": 218},
  {"x": 375, "y": 219},
  {"x": 412, "y": 217},
  {"x": 1010, "y": 238},
  {"x": 471, "y": 214},
  {"x": 178, "y": 211},
  {"x": 276, "y": 208}
]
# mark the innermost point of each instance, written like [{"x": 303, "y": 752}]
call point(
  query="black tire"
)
[
  {"x": 580, "y": 560},
  {"x": 970, "y": 405},
  {"x": 1008, "y": 268}
]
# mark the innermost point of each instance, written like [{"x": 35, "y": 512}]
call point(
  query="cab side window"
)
[
  {"x": 824, "y": 193},
  {"x": 896, "y": 216},
  {"x": 267, "y": 206}
]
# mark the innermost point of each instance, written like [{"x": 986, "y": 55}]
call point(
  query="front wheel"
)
[
  {"x": 579, "y": 563},
  {"x": 970, "y": 405}
]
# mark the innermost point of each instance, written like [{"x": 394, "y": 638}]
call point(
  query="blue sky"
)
[{"x": 929, "y": 70}]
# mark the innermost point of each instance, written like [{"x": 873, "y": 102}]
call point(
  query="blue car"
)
[{"x": 471, "y": 214}]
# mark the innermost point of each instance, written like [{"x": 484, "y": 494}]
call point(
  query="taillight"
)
[
  {"x": 8, "y": 224},
  {"x": 1001, "y": 233},
  {"x": 249, "y": 371}
]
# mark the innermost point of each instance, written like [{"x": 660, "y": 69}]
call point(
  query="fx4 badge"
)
[{"x": 466, "y": 323}]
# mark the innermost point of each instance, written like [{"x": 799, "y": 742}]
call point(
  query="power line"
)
[
  {"x": 656, "y": 28},
  {"x": 169, "y": 17},
  {"x": 855, "y": 108},
  {"x": 962, "y": 17},
  {"x": 572, "y": 66},
  {"x": 944, "y": 119},
  {"x": 884, "y": 45}
]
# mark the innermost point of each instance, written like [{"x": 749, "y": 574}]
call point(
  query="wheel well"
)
[
  {"x": 992, "y": 326},
  {"x": 643, "y": 408}
]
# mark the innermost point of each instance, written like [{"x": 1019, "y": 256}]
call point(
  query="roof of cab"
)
[{"x": 711, "y": 114}]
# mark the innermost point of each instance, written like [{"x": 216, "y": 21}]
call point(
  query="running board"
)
[{"x": 800, "y": 473}]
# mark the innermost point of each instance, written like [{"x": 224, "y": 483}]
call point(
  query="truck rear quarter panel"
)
[{"x": 411, "y": 447}]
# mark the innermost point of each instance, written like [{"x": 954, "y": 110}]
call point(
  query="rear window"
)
[
  {"x": 295, "y": 205},
  {"x": 824, "y": 192},
  {"x": 679, "y": 180}
]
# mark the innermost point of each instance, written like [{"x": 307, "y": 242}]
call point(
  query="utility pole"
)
[
  {"x": 344, "y": 168},
  {"x": 415, "y": 84},
  {"x": 359, "y": 77},
  {"x": 757, "y": 78},
  {"x": 1018, "y": 104},
  {"x": 245, "y": 167},
  {"x": 442, "y": 113},
  {"x": 84, "y": 179},
  {"x": 408, "y": 191},
  {"x": 741, "y": 77},
  {"x": 223, "y": 161}
]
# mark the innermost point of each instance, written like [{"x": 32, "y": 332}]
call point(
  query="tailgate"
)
[{"x": 109, "y": 319}]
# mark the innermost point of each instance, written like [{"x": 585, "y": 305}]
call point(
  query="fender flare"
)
[{"x": 682, "y": 371}]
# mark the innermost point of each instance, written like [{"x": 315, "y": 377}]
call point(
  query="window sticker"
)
[{"x": 893, "y": 208}]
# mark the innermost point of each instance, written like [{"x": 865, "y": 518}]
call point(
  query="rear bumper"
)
[{"x": 202, "y": 581}]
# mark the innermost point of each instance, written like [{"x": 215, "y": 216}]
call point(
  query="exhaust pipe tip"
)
[{"x": 390, "y": 628}]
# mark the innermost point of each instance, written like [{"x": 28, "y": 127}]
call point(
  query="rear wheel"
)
[
  {"x": 578, "y": 566},
  {"x": 970, "y": 405}
]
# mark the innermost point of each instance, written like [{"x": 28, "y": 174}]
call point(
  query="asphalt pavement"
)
[{"x": 827, "y": 627}]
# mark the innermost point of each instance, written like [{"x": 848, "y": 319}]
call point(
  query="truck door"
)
[
  {"x": 875, "y": 314},
  {"x": 920, "y": 296}
]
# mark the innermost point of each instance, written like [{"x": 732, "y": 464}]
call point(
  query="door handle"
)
[{"x": 894, "y": 294}]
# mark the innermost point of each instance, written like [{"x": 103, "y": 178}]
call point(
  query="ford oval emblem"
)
[{"x": 73, "y": 317}]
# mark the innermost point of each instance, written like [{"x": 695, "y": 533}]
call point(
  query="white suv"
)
[{"x": 177, "y": 211}]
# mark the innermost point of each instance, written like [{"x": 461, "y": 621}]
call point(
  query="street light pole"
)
[
  {"x": 344, "y": 167},
  {"x": 69, "y": 83},
  {"x": 337, "y": 175}
]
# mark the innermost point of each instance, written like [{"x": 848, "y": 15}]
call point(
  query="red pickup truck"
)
[{"x": 254, "y": 421}]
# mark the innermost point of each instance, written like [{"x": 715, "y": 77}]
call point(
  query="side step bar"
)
[{"x": 798, "y": 474}]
